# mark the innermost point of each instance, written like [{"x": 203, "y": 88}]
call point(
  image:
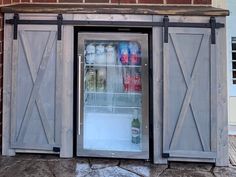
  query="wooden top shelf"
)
[{"x": 115, "y": 9}]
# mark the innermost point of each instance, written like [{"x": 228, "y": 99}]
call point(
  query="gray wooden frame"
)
[
  {"x": 67, "y": 82},
  {"x": 222, "y": 98},
  {"x": 67, "y": 89}
]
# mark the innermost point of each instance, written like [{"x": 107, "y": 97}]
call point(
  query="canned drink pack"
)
[
  {"x": 100, "y": 54},
  {"x": 111, "y": 54},
  {"x": 129, "y": 53},
  {"x": 134, "y": 54},
  {"x": 91, "y": 80},
  {"x": 90, "y": 54},
  {"x": 101, "y": 79},
  {"x": 132, "y": 83},
  {"x": 124, "y": 53}
]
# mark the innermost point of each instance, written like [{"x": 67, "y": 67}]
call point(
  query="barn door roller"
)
[
  {"x": 59, "y": 25},
  {"x": 15, "y": 24},
  {"x": 166, "y": 31},
  {"x": 16, "y": 21},
  {"x": 213, "y": 30},
  {"x": 212, "y": 25}
]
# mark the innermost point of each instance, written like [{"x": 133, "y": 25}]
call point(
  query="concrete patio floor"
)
[
  {"x": 51, "y": 166},
  {"x": 28, "y": 165}
]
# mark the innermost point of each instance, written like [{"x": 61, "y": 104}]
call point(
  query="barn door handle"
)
[{"x": 80, "y": 63}]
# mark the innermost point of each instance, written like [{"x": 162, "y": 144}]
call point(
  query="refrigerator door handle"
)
[{"x": 80, "y": 63}]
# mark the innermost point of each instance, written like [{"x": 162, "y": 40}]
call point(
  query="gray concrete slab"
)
[
  {"x": 103, "y": 163},
  {"x": 225, "y": 171},
  {"x": 191, "y": 166},
  {"x": 53, "y": 166},
  {"x": 142, "y": 168},
  {"x": 185, "y": 173}
]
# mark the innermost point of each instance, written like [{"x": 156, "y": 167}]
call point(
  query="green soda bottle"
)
[{"x": 135, "y": 127}]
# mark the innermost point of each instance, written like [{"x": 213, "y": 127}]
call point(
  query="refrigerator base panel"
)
[{"x": 112, "y": 145}]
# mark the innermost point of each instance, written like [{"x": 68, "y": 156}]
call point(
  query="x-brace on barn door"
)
[
  {"x": 35, "y": 119},
  {"x": 189, "y": 94}
]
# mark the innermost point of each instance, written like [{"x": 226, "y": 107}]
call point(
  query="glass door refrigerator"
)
[{"x": 112, "y": 111}]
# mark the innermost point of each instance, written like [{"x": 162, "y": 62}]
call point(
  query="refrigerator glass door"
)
[{"x": 113, "y": 98}]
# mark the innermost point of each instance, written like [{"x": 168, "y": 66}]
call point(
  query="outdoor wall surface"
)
[{"x": 215, "y": 3}]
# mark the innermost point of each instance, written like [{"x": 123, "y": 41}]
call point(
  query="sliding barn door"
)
[
  {"x": 35, "y": 122},
  {"x": 189, "y": 94}
]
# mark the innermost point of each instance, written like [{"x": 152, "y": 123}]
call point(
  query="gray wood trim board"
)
[
  {"x": 7, "y": 68},
  {"x": 157, "y": 69},
  {"x": 67, "y": 90},
  {"x": 222, "y": 102}
]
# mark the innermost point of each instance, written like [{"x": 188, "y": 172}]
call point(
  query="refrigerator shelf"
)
[
  {"x": 113, "y": 66},
  {"x": 116, "y": 107},
  {"x": 114, "y": 93},
  {"x": 110, "y": 110}
]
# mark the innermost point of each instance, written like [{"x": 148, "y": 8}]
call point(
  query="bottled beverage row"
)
[
  {"x": 113, "y": 53},
  {"x": 113, "y": 80},
  {"x": 135, "y": 128}
]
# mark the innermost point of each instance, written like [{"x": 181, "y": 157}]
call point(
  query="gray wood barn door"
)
[
  {"x": 189, "y": 94},
  {"x": 35, "y": 122}
]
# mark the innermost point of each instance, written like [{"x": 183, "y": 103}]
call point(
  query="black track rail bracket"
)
[
  {"x": 59, "y": 26},
  {"x": 213, "y": 30},
  {"x": 15, "y": 25},
  {"x": 166, "y": 28}
]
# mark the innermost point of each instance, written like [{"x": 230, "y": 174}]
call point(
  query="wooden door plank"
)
[
  {"x": 14, "y": 71},
  {"x": 194, "y": 111},
  {"x": 59, "y": 101},
  {"x": 46, "y": 126},
  {"x": 203, "y": 140},
  {"x": 67, "y": 93},
  {"x": 7, "y": 133},
  {"x": 182, "y": 115},
  {"x": 28, "y": 55},
  {"x": 221, "y": 137},
  {"x": 214, "y": 98},
  {"x": 181, "y": 59},
  {"x": 35, "y": 91},
  {"x": 158, "y": 120},
  {"x": 166, "y": 78},
  {"x": 192, "y": 154}
]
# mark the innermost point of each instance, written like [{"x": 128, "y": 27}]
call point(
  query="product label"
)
[
  {"x": 134, "y": 59},
  {"x": 124, "y": 59},
  {"x": 135, "y": 132}
]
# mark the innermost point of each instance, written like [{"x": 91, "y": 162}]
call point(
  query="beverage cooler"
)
[{"x": 112, "y": 101}]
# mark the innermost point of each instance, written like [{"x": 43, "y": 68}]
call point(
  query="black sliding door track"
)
[{"x": 212, "y": 24}]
